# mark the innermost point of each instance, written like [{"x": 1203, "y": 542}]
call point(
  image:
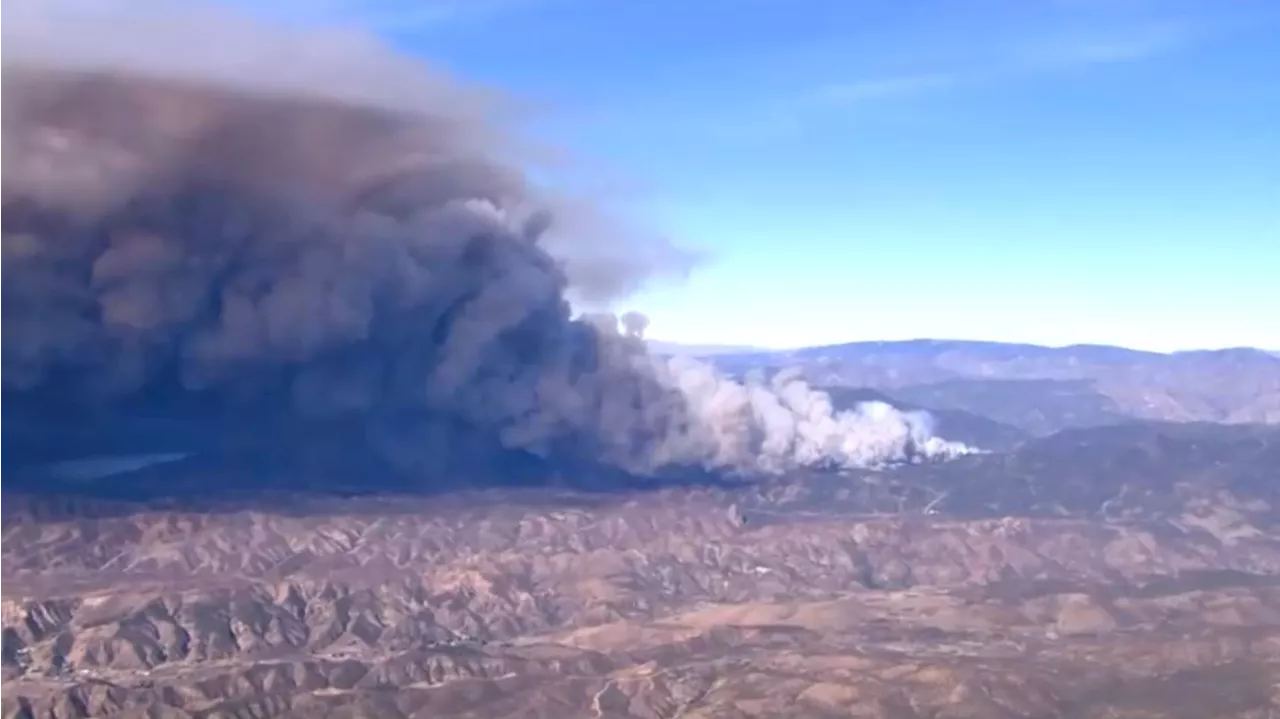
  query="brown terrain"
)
[
  {"x": 1044, "y": 389},
  {"x": 782, "y": 599}
]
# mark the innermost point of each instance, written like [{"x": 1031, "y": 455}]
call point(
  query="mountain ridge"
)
[
  {"x": 949, "y": 343},
  {"x": 1084, "y": 384}
]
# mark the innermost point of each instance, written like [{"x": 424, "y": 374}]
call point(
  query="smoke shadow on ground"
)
[
  {"x": 35, "y": 496},
  {"x": 112, "y": 464}
]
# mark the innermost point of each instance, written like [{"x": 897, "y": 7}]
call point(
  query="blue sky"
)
[{"x": 1051, "y": 171}]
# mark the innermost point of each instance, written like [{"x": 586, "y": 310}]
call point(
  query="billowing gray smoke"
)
[{"x": 206, "y": 216}]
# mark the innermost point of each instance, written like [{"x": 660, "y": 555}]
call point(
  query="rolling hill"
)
[{"x": 1041, "y": 390}]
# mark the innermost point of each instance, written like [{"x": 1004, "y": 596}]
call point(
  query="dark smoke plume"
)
[{"x": 207, "y": 218}]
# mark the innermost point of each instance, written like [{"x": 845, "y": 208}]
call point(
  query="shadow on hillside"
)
[{"x": 58, "y": 467}]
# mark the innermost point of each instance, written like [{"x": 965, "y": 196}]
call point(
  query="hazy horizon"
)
[{"x": 663, "y": 343}]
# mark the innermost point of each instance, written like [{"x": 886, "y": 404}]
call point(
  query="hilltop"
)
[{"x": 1044, "y": 389}]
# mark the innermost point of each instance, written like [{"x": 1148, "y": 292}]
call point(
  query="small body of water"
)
[{"x": 93, "y": 468}]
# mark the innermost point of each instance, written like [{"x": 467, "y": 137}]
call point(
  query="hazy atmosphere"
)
[{"x": 600, "y": 359}]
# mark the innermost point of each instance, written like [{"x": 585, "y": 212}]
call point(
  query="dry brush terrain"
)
[{"x": 675, "y": 603}]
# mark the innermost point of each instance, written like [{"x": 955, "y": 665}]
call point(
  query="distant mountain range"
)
[
  {"x": 676, "y": 348},
  {"x": 1041, "y": 390}
]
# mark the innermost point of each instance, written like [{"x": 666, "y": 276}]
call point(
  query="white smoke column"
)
[{"x": 786, "y": 424}]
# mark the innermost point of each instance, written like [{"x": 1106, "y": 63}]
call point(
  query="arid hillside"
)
[{"x": 810, "y": 596}]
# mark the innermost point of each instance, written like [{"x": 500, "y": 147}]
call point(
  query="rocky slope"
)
[{"x": 791, "y": 599}]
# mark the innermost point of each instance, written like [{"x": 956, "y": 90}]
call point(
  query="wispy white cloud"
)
[
  {"x": 1097, "y": 49},
  {"x": 1039, "y": 57},
  {"x": 881, "y": 88},
  {"x": 1009, "y": 60}
]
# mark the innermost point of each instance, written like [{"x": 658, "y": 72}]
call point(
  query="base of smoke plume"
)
[
  {"x": 203, "y": 478},
  {"x": 245, "y": 461}
]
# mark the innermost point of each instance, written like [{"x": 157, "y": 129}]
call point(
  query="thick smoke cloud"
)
[{"x": 208, "y": 217}]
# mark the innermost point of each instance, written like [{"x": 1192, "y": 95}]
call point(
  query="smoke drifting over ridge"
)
[{"x": 314, "y": 229}]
